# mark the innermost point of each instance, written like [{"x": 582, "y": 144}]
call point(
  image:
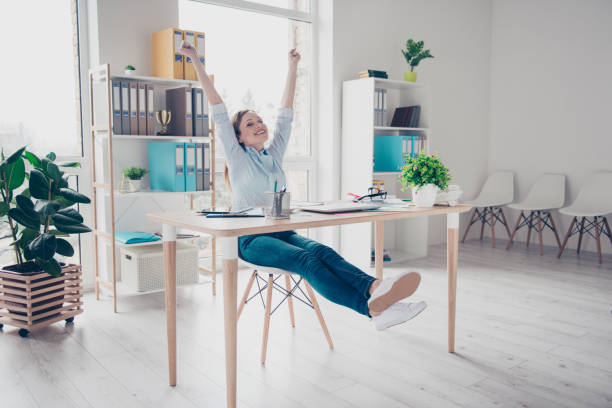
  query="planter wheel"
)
[
  {"x": 23, "y": 333},
  {"x": 70, "y": 319}
]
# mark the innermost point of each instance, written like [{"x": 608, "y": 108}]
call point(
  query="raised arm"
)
[
  {"x": 189, "y": 51},
  {"x": 287, "y": 101}
]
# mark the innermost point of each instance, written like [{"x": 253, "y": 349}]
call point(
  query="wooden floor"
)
[{"x": 531, "y": 332}]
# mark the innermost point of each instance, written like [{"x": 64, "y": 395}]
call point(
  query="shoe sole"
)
[
  {"x": 412, "y": 317},
  {"x": 401, "y": 289}
]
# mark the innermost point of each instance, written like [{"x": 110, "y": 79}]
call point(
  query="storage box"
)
[{"x": 142, "y": 267}]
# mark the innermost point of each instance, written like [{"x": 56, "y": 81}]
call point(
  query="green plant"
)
[
  {"x": 37, "y": 226},
  {"x": 424, "y": 169},
  {"x": 134, "y": 173},
  {"x": 414, "y": 53},
  {"x": 130, "y": 68}
]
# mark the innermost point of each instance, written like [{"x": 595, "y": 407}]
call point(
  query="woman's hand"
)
[
  {"x": 294, "y": 58},
  {"x": 188, "y": 50}
]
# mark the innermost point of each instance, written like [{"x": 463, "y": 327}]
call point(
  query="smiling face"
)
[{"x": 253, "y": 132}]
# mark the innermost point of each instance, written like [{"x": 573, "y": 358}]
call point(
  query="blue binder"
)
[
  {"x": 390, "y": 152},
  {"x": 167, "y": 166},
  {"x": 190, "y": 167}
]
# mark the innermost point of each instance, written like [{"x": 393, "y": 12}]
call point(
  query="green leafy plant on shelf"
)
[
  {"x": 414, "y": 53},
  {"x": 423, "y": 169},
  {"x": 129, "y": 68},
  {"x": 41, "y": 214},
  {"x": 134, "y": 173}
]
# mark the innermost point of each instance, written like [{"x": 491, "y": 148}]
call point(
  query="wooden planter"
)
[{"x": 33, "y": 300}]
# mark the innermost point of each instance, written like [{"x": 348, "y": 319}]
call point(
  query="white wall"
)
[
  {"x": 371, "y": 34},
  {"x": 551, "y": 93}
]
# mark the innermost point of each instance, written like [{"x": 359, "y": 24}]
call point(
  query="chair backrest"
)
[
  {"x": 548, "y": 192},
  {"x": 498, "y": 189},
  {"x": 596, "y": 193}
]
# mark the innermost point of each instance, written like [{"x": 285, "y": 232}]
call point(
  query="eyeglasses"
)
[{"x": 374, "y": 194}]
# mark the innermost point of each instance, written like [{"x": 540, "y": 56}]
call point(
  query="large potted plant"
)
[
  {"x": 425, "y": 175},
  {"x": 414, "y": 54},
  {"x": 34, "y": 289}
]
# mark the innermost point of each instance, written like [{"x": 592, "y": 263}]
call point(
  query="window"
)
[
  {"x": 40, "y": 101},
  {"x": 247, "y": 52}
]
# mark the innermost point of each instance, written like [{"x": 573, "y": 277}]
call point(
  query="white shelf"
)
[
  {"x": 151, "y": 193},
  {"x": 156, "y": 80},
  {"x": 392, "y": 84},
  {"x": 391, "y": 128},
  {"x": 160, "y": 138}
]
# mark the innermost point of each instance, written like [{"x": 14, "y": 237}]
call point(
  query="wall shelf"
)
[
  {"x": 156, "y": 80},
  {"x": 137, "y": 138}
]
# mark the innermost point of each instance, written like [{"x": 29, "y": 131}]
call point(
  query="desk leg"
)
[
  {"x": 452, "y": 254},
  {"x": 229, "y": 249},
  {"x": 379, "y": 245},
  {"x": 169, "y": 238}
]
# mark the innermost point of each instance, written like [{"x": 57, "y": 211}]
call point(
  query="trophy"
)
[{"x": 163, "y": 117}]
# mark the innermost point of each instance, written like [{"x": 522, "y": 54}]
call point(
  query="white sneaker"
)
[
  {"x": 392, "y": 290},
  {"x": 397, "y": 313}
]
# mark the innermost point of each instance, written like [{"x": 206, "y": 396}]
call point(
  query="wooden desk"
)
[{"x": 227, "y": 231}]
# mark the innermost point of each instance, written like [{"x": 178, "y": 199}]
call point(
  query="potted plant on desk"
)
[
  {"x": 34, "y": 290},
  {"x": 425, "y": 175}
]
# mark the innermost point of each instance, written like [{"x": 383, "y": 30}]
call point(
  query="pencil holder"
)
[{"x": 277, "y": 205}]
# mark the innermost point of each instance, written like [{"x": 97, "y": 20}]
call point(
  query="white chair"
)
[
  {"x": 548, "y": 193},
  {"x": 292, "y": 290},
  {"x": 497, "y": 192},
  {"x": 594, "y": 201}
]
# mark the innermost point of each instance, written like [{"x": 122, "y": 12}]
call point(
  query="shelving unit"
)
[
  {"x": 404, "y": 239},
  {"x": 112, "y": 208}
]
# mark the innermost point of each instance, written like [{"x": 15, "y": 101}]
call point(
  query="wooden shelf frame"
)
[{"x": 103, "y": 130}]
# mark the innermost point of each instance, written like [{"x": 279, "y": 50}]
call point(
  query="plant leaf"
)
[
  {"x": 64, "y": 247},
  {"x": 72, "y": 229},
  {"x": 26, "y": 204},
  {"x": 69, "y": 164},
  {"x": 51, "y": 266},
  {"x": 51, "y": 156},
  {"x": 39, "y": 187},
  {"x": 68, "y": 216},
  {"x": 58, "y": 233},
  {"x": 46, "y": 207},
  {"x": 15, "y": 173},
  {"x": 43, "y": 246},
  {"x": 54, "y": 171},
  {"x": 13, "y": 157},
  {"x": 22, "y": 218},
  {"x": 4, "y": 208},
  {"x": 72, "y": 195},
  {"x": 33, "y": 159},
  {"x": 27, "y": 254},
  {"x": 27, "y": 235}
]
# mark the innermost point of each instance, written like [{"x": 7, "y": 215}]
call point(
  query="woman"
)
[{"x": 254, "y": 169}]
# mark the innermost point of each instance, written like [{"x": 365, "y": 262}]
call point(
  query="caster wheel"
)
[
  {"x": 23, "y": 333},
  {"x": 70, "y": 320}
]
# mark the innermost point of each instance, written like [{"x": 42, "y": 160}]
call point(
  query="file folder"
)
[
  {"x": 116, "y": 108},
  {"x": 390, "y": 152},
  {"x": 142, "y": 109},
  {"x": 198, "y": 121},
  {"x": 190, "y": 167},
  {"x": 199, "y": 166},
  {"x": 206, "y": 160},
  {"x": 150, "y": 110},
  {"x": 168, "y": 62},
  {"x": 167, "y": 166},
  {"x": 179, "y": 101},
  {"x": 133, "y": 108},
  {"x": 190, "y": 73},
  {"x": 205, "y": 125},
  {"x": 125, "y": 108},
  {"x": 199, "y": 46}
]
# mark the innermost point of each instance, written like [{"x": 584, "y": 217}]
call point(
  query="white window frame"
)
[{"x": 308, "y": 163}]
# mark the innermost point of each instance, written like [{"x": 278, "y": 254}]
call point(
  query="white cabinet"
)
[{"x": 404, "y": 239}]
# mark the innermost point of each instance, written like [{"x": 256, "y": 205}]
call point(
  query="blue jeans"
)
[{"x": 324, "y": 269}]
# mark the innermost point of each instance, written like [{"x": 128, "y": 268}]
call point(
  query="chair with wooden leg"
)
[
  {"x": 547, "y": 194},
  {"x": 292, "y": 290},
  {"x": 497, "y": 192},
  {"x": 593, "y": 203}
]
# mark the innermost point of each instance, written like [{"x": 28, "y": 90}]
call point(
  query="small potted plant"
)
[
  {"x": 425, "y": 175},
  {"x": 129, "y": 70},
  {"x": 132, "y": 178},
  {"x": 39, "y": 290},
  {"x": 414, "y": 54}
]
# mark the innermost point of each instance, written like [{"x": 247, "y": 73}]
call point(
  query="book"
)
[{"x": 372, "y": 73}]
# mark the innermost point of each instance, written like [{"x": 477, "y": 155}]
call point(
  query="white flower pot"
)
[
  {"x": 128, "y": 71},
  {"x": 133, "y": 185},
  {"x": 424, "y": 196}
]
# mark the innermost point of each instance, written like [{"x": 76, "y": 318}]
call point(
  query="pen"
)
[{"x": 275, "y": 183}]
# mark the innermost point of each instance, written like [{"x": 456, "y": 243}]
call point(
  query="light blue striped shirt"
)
[{"x": 252, "y": 173}]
